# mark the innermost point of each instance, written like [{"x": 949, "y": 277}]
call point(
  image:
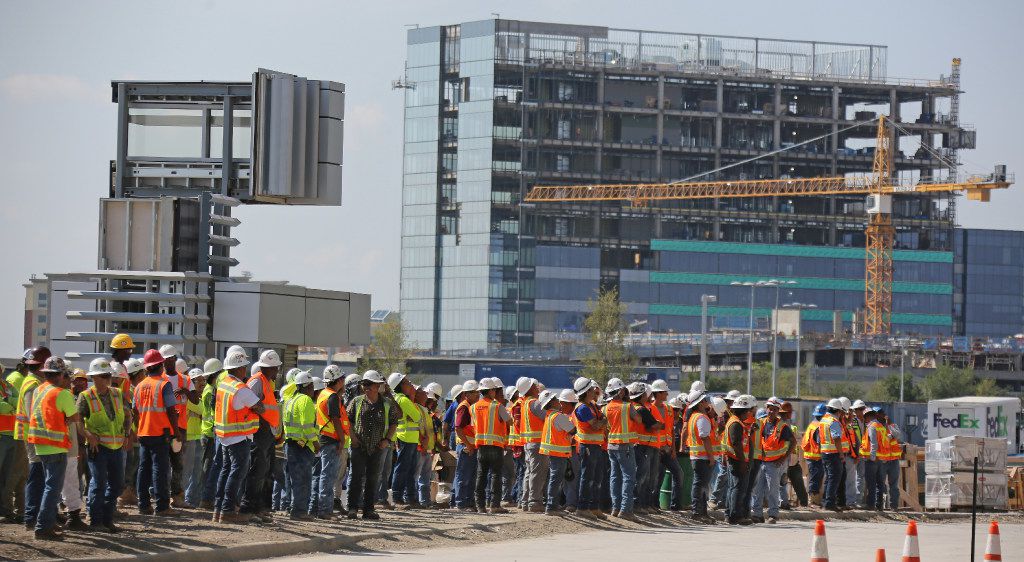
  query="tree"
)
[
  {"x": 988, "y": 387},
  {"x": 389, "y": 350},
  {"x": 888, "y": 389},
  {"x": 947, "y": 381},
  {"x": 846, "y": 388},
  {"x": 606, "y": 331}
]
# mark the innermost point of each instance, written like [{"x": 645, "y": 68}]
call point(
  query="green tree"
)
[
  {"x": 947, "y": 381},
  {"x": 888, "y": 389},
  {"x": 849, "y": 389},
  {"x": 606, "y": 331},
  {"x": 988, "y": 387},
  {"x": 389, "y": 350},
  {"x": 761, "y": 381}
]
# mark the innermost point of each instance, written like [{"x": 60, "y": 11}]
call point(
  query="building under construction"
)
[{"x": 495, "y": 107}]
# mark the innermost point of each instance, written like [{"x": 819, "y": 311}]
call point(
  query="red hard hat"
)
[
  {"x": 152, "y": 357},
  {"x": 38, "y": 356}
]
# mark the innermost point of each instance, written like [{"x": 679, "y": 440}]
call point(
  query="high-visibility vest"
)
[
  {"x": 149, "y": 402},
  {"x": 323, "y": 421},
  {"x": 299, "y": 420},
  {"x": 207, "y": 401},
  {"x": 532, "y": 426},
  {"x": 515, "y": 439},
  {"x": 622, "y": 429},
  {"x": 756, "y": 450},
  {"x": 488, "y": 427},
  {"x": 812, "y": 450},
  {"x": 730, "y": 450},
  {"x": 427, "y": 426},
  {"x": 468, "y": 430},
  {"x": 773, "y": 446},
  {"x": 663, "y": 415},
  {"x": 109, "y": 430},
  {"x": 828, "y": 444},
  {"x": 555, "y": 442},
  {"x": 584, "y": 435},
  {"x": 893, "y": 450},
  {"x": 271, "y": 411},
  {"x": 6, "y": 420},
  {"x": 181, "y": 407},
  {"x": 693, "y": 442},
  {"x": 408, "y": 428},
  {"x": 881, "y": 438},
  {"x": 851, "y": 444},
  {"x": 194, "y": 425},
  {"x": 125, "y": 386},
  {"x": 227, "y": 421},
  {"x": 46, "y": 424},
  {"x": 644, "y": 436},
  {"x": 30, "y": 383}
]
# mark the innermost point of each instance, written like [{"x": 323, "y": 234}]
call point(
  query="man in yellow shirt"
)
[{"x": 403, "y": 479}]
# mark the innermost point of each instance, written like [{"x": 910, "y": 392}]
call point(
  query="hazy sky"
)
[{"x": 57, "y": 123}]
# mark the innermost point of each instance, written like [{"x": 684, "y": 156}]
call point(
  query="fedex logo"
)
[{"x": 961, "y": 421}]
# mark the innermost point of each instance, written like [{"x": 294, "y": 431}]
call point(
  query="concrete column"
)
[
  {"x": 808, "y": 357},
  {"x": 599, "y": 155},
  {"x": 720, "y": 107},
  {"x": 660, "y": 124},
  {"x": 894, "y": 105},
  {"x": 848, "y": 358}
]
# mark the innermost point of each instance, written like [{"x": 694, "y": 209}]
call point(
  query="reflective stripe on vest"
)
[
  {"x": 271, "y": 411},
  {"x": 299, "y": 420},
  {"x": 207, "y": 401},
  {"x": 828, "y": 445},
  {"x": 693, "y": 442},
  {"x": 488, "y": 427},
  {"x": 514, "y": 438},
  {"x": 6, "y": 420},
  {"x": 532, "y": 425},
  {"x": 149, "y": 401},
  {"x": 227, "y": 421},
  {"x": 109, "y": 430},
  {"x": 46, "y": 424},
  {"x": 554, "y": 442},
  {"x": 469, "y": 431},
  {"x": 583, "y": 434},
  {"x": 621, "y": 429},
  {"x": 773, "y": 446},
  {"x": 644, "y": 436},
  {"x": 30, "y": 383},
  {"x": 744, "y": 441},
  {"x": 812, "y": 451},
  {"x": 323, "y": 421}
]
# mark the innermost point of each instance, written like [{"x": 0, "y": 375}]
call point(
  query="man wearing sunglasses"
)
[{"x": 108, "y": 423}]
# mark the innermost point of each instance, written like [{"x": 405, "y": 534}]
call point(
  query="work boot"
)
[
  {"x": 586, "y": 514},
  {"x": 111, "y": 528},
  {"x": 169, "y": 512},
  {"x": 352, "y": 514},
  {"x": 128, "y": 497},
  {"x": 537, "y": 509},
  {"x": 553, "y": 512},
  {"x": 498, "y": 510},
  {"x": 178, "y": 501},
  {"x": 371, "y": 515},
  {"x": 206, "y": 505},
  {"x": 615, "y": 513},
  {"x": 772, "y": 520},
  {"x": 301, "y": 517},
  {"x": 757, "y": 519},
  {"x": 148, "y": 510},
  {"x": 481, "y": 509},
  {"x": 628, "y": 516},
  {"x": 49, "y": 534},
  {"x": 598, "y": 514},
  {"x": 236, "y": 518},
  {"x": 75, "y": 522}
]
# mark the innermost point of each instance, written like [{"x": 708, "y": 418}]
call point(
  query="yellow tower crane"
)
[{"x": 879, "y": 186}]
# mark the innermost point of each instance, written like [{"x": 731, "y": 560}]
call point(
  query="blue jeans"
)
[
  {"x": 852, "y": 493},
  {"x": 465, "y": 478},
  {"x": 297, "y": 473},
  {"x": 234, "y": 467},
  {"x": 154, "y": 471},
  {"x": 623, "y": 477},
  {"x": 766, "y": 487},
  {"x": 572, "y": 487},
  {"x": 192, "y": 468},
  {"x": 815, "y": 473},
  {"x": 34, "y": 485},
  {"x": 891, "y": 469},
  {"x": 593, "y": 463},
  {"x": 330, "y": 469},
  {"x": 403, "y": 478},
  {"x": 7, "y": 472},
  {"x": 873, "y": 492},
  {"x": 313, "y": 506},
  {"x": 556, "y": 478},
  {"x": 384, "y": 478},
  {"x": 213, "y": 466},
  {"x": 738, "y": 499},
  {"x": 720, "y": 481},
  {"x": 53, "y": 482},
  {"x": 833, "y": 473},
  {"x": 701, "y": 485},
  {"x": 106, "y": 471},
  {"x": 517, "y": 486},
  {"x": 643, "y": 475},
  {"x": 424, "y": 475}
]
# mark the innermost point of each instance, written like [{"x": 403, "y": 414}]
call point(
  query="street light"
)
[
  {"x": 704, "y": 300},
  {"x": 775, "y": 332},
  {"x": 799, "y": 306},
  {"x": 750, "y": 336},
  {"x": 903, "y": 360}
]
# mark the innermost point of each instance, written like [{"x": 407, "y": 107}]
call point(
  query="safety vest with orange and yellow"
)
[
  {"x": 622, "y": 430},
  {"x": 323, "y": 420},
  {"x": 488, "y": 427},
  {"x": 828, "y": 443},
  {"x": 647, "y": 437},
  {"x": 227, "y": 421},
  {"x": 149, "y": 402},
  {"x": 468, "y": 430},
  {"x": 271, "y": 411},
  {"x": 812, "y": 451},
  {"x": 730, "y": 449},
  {"x": 555, "y": 442},
  {"x": 531, "y": 425},
  {"x": 47, "y": 425},
  {"x": 693, "y": 442},
  {"x": 773, "y": 446},
  {"x": 584, "y": 434}
]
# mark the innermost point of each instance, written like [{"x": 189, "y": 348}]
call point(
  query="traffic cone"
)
[
  {"x": 992, "y": 550},
  {"x": 819, "y": 547},
  {"x": 911, "y": 553},
  {"x": 880, "y": 555}
]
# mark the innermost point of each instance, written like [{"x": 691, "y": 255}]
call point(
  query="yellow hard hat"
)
[{"x": 122, "y": 341}]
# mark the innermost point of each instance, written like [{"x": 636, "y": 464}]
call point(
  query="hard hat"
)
[
  {"x": 744, "y": 401},
  {"x": 787, "y": 407},
  {"x": 509, "y": 392},
  {"x": 659, "y": 386},
  {"x": 568, "y": 395},
  {"x": 761, "y": 413},
  {"x": 133, "y": 365},
  {"x": 698, "y": 385},
  {"x": 858, "y": 404},
  {"x": 484, "y": 384},
  {"x": 352, "y": 378},
  {"x": 773, "y": 402},
  {"x": 318, "y": 383},
  {"x": 152, "y": 357},
  {"x": 493, "y": 383},
  {"x": 845, "y": 402},
  {"x": 331, "y": 373},
  {"x": 269, "y": 358},
  {"x": 212, "y": 366},
  {"x": 455, "y": 392},
  {"x": 100, "y": 366},
  {"x": 694, "y": 400},
  {"x": 234, "y": 349},
  {"x": 395, "y": 379},
  {"x": 470, "y": 386},
  {"x": 581, "y": 385},
  {"x": 678, "y": 402},
  {"x": 180, "y": 365},
  {"x": 303, "y": 378},
  {"x": 372, "y": 377},
  {"x": 79, "y": 374},
  {"x": 614, "y": 385},
  {"x": 195, "y": 374},
  {"x": 434, "y": 390},
  {"x": 235, "y": 360},
  {"x": 54, "y": 365},
  {"x": 290, "y": 375},
  {"x": 719, "y": 405},
  {"x": 732, "y": 395},
  {"x": 637, "y": 389},
  {"x": 167, "y": 351},
  {"x": 122, "y": 341},
  {"x": 819, "y": 410},
  {"x": 523, "y": 385},
  {"x": 878, "y": 410},
  {"x": 253, "y": 369},
  {"x": 835, "y": 404},
  {"x": 545, "y": 398},
  {"x": 119, "y": 371},
  {"x": 38, "y": 355}
]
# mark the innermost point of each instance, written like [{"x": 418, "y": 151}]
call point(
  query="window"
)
[{"x": 41, "y": 318}]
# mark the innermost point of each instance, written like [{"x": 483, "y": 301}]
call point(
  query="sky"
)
[{"x": 58, "y": 124}]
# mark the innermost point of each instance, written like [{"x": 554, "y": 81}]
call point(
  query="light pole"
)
[
  {"x": 775, "y": 331},
  {"x": 800, "y": 307},
  {"x": 704, "y": 300},
  {"x": 750, "y": 336},
  {"x": 903, "y": 360}
]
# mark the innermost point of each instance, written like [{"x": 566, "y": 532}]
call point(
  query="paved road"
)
[{"x": 847, "y": 541}]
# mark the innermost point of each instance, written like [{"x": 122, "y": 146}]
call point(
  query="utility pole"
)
[{"x": 704, "y": 300}]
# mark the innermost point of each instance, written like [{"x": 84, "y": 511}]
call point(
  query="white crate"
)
[
  {"x": 943, "y": 491},
  {"x": 956, "y": 453}
]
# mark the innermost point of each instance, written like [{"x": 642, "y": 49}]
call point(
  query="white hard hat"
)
[
  {"x": 290, "y": 375},
  {"x": 744, "y": 401},
  {"x": 434, "y": 390},
  {"x": 581, "y": 385},
  {"x": 835, "y": 404},
  {"x": 302, "y": 377},
  {"x": 253, "y": 369},
  {"x": 858, "y": 404},
  {"x": 180, "y": 365},
  {"x": 694, "y": 397},
  {"x": 100, "y": 366},
  {"x": 235, "y": 360},
  {"x": 773, "y": 402},
  {"x": 485, "y": 384},
  {"x": 234, "y": 349},
  {"x": 509, "y": 392},
  {"x": 331, "y": 374},
  {"x": 269, "y": 358},
  {"x": 718, "y": 404},
  {"x": 352, "y": 378},
  {"x": 698, "y": 385},
  {"x": 195, "y": 373},
  {"x": 318, "y": 383},
  {"x": 545, "y": 398},
  {"x": 373, "y": 376},
  {"x": 568, "y": 395},
  {"x": 659, "y": 386},
  {"x": 119, "y": 371},
  {"x": 637, "y": 389},
  {"x": 845, "y": 402},
  {"x": 732, "y": 395},
  {"x": 133, "y": 365},
  {"x": 395, "y": 379},
  {"x": 614, "y": 385},
  {"x": 455, "y": 392},
  {"x": 523, "y": 385},
  {"x": 212, "y": 366},
  {"x": 470, "y": 386},
  {"x": 678, "y": 402},
  {"x": 167, "y": 351}
]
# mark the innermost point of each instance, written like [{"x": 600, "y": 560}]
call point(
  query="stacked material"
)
[{"x": 949, "y": 467}]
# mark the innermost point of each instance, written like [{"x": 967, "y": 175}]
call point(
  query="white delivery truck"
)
[{"x": 975, "y": 416}]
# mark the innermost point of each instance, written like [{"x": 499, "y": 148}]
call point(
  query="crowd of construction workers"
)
[{"x": 243, "y": 439}]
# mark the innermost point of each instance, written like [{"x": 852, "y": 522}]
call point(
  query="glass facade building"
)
[{"x": 989, "y": 281}]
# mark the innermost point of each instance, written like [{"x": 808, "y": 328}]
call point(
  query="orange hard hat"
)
[{"x": 787, "y": 407}]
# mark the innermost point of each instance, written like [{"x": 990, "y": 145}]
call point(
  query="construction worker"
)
[
  {"x": 591, "y": 436},
  {"x": 872, "y": 446},
  {"x": 648, "y": 446},
  {"x": 893, "y": 454},
  {"x": 702, "y": 444},
  {"x": 720, "y": 479},
  {"x": 448, "y": 420},
  {"x": 211, "y": 465},
  {"x": 556, "y": 442},
  {"x": 333, "y": 425},
  {"x": 849, "y": 490},
  {"x": 155, "y": 408},
  {"x": 134, "y": 372},
  {"x": 301, "y": 443},
  {"x": 517, "y": 443},
  {"x": 192, "y": 450},
  {"x": 430, "y": 428},
  {"x": 180, "y": 386},
  {"x": 623, "y": 423},
  {"x": 235, "y": 421},
  {"x": 108, "y": 423},
  {"x": 76, "y": 381},
  {"x": 830, "y": 435},
  {"x": 289, "y": 384},
  {"x": 403, "y": 481},
  {"x": 776, "y": 437},
  {"x": 257, "y": 482},
  {"x": 794, "y": 474},
  {"x": 8, "y": 449},
  {"x": 858, "y": 425},
  {"x": 665, "y": 458},
  {"x": 531, "y": 427},
  {"x": 490, "y": 421},
  {"x": 121, "y": 349},
  {"x": 739, "y": 452},
  {"x": 374, "y": 422},
  {"x": 465, "y": 448},
  {"x": 810, "y": 444}
]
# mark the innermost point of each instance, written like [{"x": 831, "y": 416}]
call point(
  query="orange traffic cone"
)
[
  {"x": 911, "y": 553},
  {"x": 880, "y": 555},
  {"x": 819, "y": 547},
  {"x": 992, "y": 550}
]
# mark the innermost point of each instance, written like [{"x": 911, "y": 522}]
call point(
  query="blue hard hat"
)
[
  {"x": 819, "y": 410},
  {"x": 761, "y": 413},
  {"x": 878, "y": 410}
]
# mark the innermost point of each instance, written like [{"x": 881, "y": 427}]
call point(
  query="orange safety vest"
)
[
  {"x": 893, "y": 449},
  {"x": 149, "y": 402},
  {"x": 468, "y": 430},
  {"x": 622, "y": 429},
  {"x": 584, "y": 435},
  {"x": 6, "y": 420},
  {"x": 271, "y": 412},
  {"x": 532, "y": 426},
  {"x": 488, "y": 427},
  {"x": 882, "y": 438},
  {"x": 663, "y": 415},
  {"x": 812, "y": 451},
  {"x": 693, "y": 442},
  {"x": 828, "y": 445},
  {"x": 850, "y": 442},
  {"x": 647, "y": 437},
  {"x": 727, "y": 443},
  {"x": 323, "y": 421},
  {"x": 182, "y": 407},
  {"x": 46, "y": 424},
  {"x": 514, "y": 439},
  {"x": 774, "y": 447},
  {"x": 555, "y": 442},
  {"x": 227, "y": 421}
]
